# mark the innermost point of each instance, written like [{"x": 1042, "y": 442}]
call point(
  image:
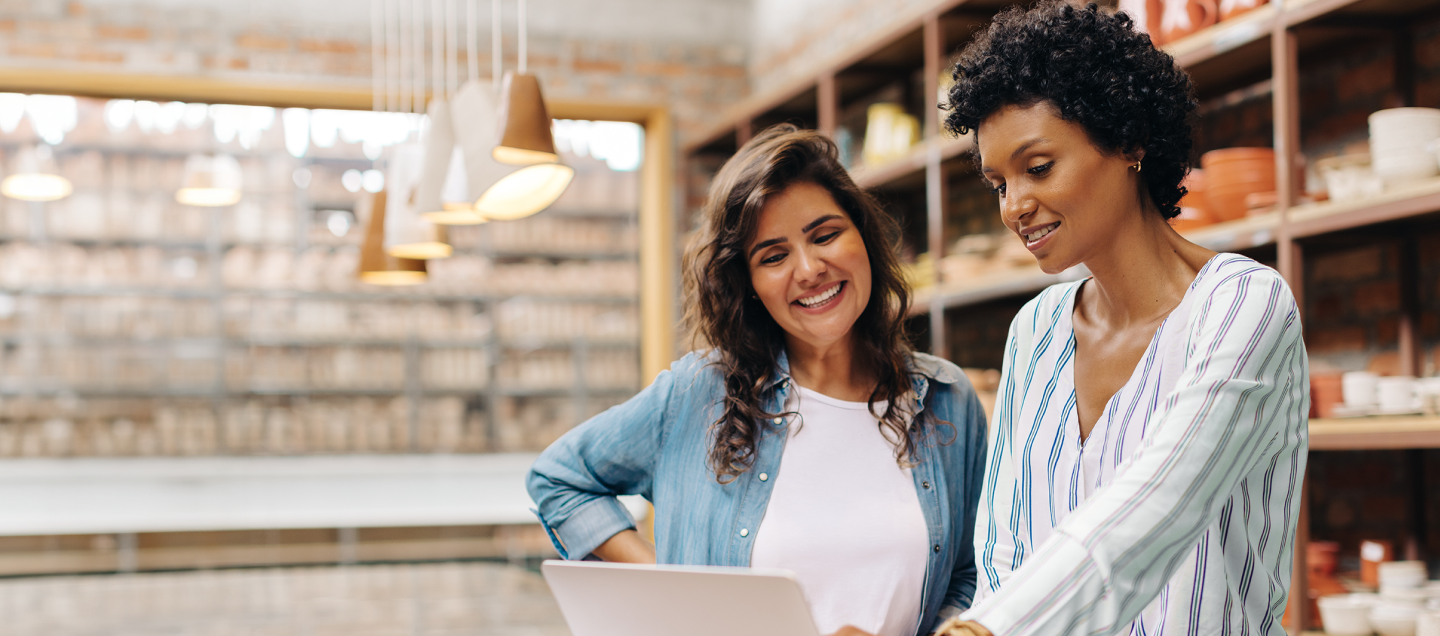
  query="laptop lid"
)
[{"x": 621, "y": 599}]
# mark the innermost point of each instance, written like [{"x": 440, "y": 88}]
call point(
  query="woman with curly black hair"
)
[{"x": 1148, "y": 444}]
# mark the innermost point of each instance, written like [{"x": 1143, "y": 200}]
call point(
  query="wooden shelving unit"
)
[{"x": 1255, "y": 54}]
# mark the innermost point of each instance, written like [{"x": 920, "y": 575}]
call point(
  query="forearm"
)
[{"x": 626, "y": 547}]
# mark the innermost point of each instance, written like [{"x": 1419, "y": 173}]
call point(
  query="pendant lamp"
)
[
  {"x": 377, "y": 267},
  {"x": 36, "y": 177},
  {"x": 210, "y": 181},
  {"x": 507, "y": 192},
  {"x": 442, "y": 197},
  {"x": 456, "y": 205},
  {"x": 524, "y": 123},
  {"x": 407, "y": 235}
]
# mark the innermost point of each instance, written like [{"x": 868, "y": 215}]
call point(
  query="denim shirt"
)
[{"x": 657, "y": 443}]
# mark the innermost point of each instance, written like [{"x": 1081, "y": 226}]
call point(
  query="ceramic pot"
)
[
  {"x": 1232, "y": 174},
  {"x": 1325, "y": 394},
  {"x": 1183, "y": 17},
  {"x": 1232, "y": 8}
]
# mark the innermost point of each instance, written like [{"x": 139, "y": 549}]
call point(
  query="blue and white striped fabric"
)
[{"x": 1177, "y": 514}]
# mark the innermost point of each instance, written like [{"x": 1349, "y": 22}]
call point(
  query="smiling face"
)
[
  {"x": 1062, "y": 195},
  {"x": 809, "y": 266}
]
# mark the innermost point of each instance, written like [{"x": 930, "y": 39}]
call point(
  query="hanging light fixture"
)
[
  {"x": 407, "y": 235},
  {"x": 36, "y": 177},
  {"x": 376, "y": 266},
  {"x": 443, "y": 197},
  {"x": 413, "y": 176},
  {"x": 507, "y": 192},
  {"x": 210, "y": 181}
]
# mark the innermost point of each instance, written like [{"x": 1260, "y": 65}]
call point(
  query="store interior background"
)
[{"x": 156, "y": 354}]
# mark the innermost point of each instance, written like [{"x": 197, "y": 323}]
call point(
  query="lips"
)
[{"x": 822, "y": 298}]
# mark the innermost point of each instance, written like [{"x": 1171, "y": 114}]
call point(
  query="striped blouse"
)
[{"x": 1177, "y": 514}]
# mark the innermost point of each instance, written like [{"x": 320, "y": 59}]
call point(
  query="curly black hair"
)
[{"x": 1098, "y": 71}]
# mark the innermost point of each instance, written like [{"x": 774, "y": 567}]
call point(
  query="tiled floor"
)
[{"x": 449, "y": 599}]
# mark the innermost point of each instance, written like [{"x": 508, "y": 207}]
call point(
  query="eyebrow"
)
[
  {"x": 804, "y": 230},
  {"x": 1018, "y": 151}
]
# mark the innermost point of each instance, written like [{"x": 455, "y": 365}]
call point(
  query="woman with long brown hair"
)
[{"x": 806, "y": 434}]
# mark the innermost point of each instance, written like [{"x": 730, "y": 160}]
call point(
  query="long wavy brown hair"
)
[{"x": 722, "y": 313}]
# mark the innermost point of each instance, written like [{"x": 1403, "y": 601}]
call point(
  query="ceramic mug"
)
[
  {"x": 1360, "y": 389},
  {"x": 1396, "y": 393}
]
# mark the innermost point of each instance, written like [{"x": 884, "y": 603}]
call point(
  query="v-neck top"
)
[{"x": 1176, "y": 515}]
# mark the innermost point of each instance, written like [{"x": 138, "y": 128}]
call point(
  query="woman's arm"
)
[
  {"x": 1239, "y": 403},
  {"x": 576, "y": 480}
]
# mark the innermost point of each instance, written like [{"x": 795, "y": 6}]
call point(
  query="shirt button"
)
[
  {"x": 764, "y": 477},
  {"x": 937, "y": 548},
  {"x": 779, "y": 420},
  {"x": 745, "y": 532},
  {"x": 925, "y": 485}
]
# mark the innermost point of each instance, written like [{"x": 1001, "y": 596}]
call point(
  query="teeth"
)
[
  {"x": 1040, "y": 233},
  {"x": 816, "y": 300}
]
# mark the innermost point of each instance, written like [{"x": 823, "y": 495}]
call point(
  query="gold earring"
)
[{"x": 1137, "y": 166}]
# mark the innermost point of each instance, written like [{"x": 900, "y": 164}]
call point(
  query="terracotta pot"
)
[
  {"x": 1232, "y": 174},
  {"x": 1232, "y": 8},
  {"x": 1372, "y": 554},
  {"x": 1326, "y": 393},
  {"x": 1183, "y": 17}
]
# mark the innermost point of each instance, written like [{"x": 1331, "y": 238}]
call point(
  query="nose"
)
[
  {"x": 1016, "y": 205},
  {"x": 809, "y": 267}
]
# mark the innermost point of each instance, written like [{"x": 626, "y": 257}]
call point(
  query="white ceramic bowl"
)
[
  {"x": 1398, "y": 574},
  {"x": 1406, "y": 168},
  {"x": 1388, "y": 619},
  {"x": 1407, "y": 596},
  {"x": 1427, "y": 624},
  {"x": 1347, "y": 614}
]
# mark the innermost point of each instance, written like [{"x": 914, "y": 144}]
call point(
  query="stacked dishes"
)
[
  {"x": 1232, "y": 174},
  {"x": 1402, "y": 598},
  {"x": 1402, "y": 143}
]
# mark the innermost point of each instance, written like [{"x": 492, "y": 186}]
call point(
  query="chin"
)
[{"x": 1053, "y": 264}]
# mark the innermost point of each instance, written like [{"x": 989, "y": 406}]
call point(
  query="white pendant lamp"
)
[
  {"x": 456, "y": 205},
  {"x": 36, "y": 177},
  {"x": 407, "y": 235},
  {"x": 377, "y": 267},
  {"x": 210, "y": 181},
  {"x": 507, "y": 192}
]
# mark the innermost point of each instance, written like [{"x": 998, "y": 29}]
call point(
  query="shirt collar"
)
[{"x": 923, "y": 368}]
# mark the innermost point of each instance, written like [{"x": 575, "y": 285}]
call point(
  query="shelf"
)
[
  {"x": 202, "y": 292},
  {"x": 539, "y": 392},
  {"x": 1375, "y": 433},
  {"x": 996, "y": 285},
  {"x": 16, "y": 391},
  {"x": 553, "y": 255},
  {"x": 1322, "y": 218},
  {"x": 1240, "y": 234},
  {"x": 869, "y": 177}
]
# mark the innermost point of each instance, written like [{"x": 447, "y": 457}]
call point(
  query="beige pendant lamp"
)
[
  {"x": 210, "y": 181},
  {"x": 484, "y": 130},
  {"x": 36, "y": 177},
  {"x": 376, "y": 266}
]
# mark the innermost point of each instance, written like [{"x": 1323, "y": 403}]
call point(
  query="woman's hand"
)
[{"x": 626, "y": 547}]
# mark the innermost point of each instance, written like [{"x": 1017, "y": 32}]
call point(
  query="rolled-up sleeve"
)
[
  {"x": 1241, "y": 399},
  {"x": 576, "y": 480}
]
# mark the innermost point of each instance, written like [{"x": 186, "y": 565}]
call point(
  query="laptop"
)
[{"x": 621, "y": 599}]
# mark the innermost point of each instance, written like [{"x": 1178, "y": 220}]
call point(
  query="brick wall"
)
[
  {"x": 697, "y": 80},
  {"x": 1363, "y": 495}
]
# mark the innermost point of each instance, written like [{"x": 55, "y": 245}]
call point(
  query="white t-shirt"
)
[{"x": 845, "y": 518}]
